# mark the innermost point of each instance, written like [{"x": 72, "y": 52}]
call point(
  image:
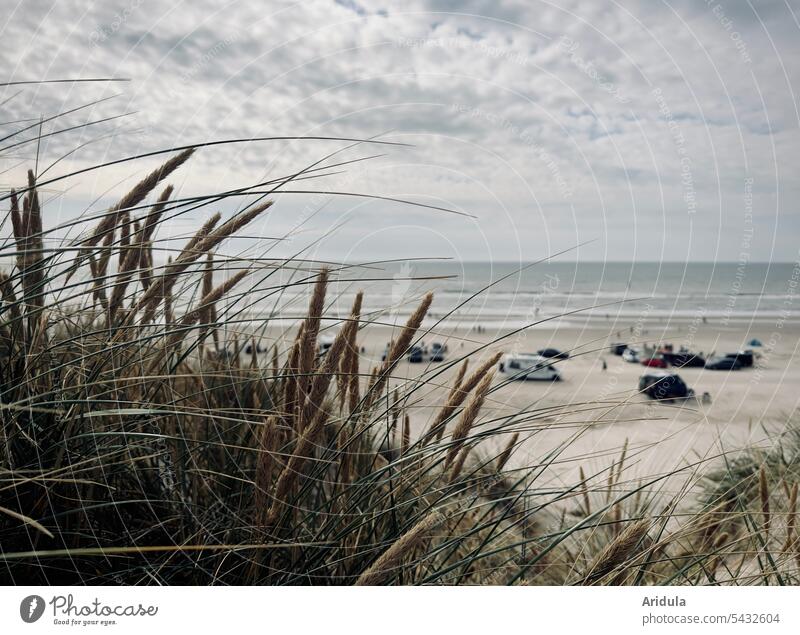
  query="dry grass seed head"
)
[
  {"x": 791, "y": 520},
  {"x": 506, "y": 453},
  {"x": 468, "y": 417},
  {"x": 457, "y": 396},
  {"x": 137, "y": 195},
  {"x": 763, "y": 491},
  {"x": 385, "y": 567},
  {"x": 617, "y": 551}
]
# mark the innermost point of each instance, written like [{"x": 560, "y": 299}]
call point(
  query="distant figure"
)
[
  {"x": 706, "y": 398},
  {"x": 605, "y": 366},
  {"x": 704, "y": 320}
]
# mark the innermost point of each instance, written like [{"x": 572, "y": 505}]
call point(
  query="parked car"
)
[
  {"x": 324, "y": 343},
  {"x": 664, "y": 385},
  {"x": 437, "y": 352},
  {"x": 552, "y": 353},
  {"x": 416, "y": 355},
  {"x": 632, "y": 355},
  {"x": 723, "y": 363},
  {"x": 618, "y": 348},
  {"x": 528, "y": 366},
  {"x": 684, "y": 359},
  {"x": 656, "y": 361},
  {"x": 745, "y": 358},
  {"x": 419, "y": 353},
  {"x": 249, "y": 349}
]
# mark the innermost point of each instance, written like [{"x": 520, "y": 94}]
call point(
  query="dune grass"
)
[{"x": 141, "y": 443}]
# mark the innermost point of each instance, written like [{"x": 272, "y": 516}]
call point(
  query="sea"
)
[{"x": 513, "y": 295}]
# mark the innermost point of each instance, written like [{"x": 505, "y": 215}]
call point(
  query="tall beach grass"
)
[{"x": 141, "y": 444}]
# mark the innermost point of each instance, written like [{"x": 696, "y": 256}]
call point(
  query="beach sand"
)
[{"x": 592, "y": 413}]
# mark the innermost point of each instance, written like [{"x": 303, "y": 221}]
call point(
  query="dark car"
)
[
  {"x": 684, "y": 360},
  {"x": 249, "y": 348},
  {"x": 553, "y": 353},
  {"x": 416, "y": 355},
  {"x": 618, "y": 348},
  {"x": 745, "y": 358},
  {"x": 724, "y": 363},
  {"x": 324, "y": 344},
  {"x": 437, "y": 352},
  {"x": 664, "y": 385}
]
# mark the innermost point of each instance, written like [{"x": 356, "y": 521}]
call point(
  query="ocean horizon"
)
[{"x": 510, "y": 295}]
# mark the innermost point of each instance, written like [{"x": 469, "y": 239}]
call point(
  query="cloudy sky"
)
[{"x": 652, "y": 130}]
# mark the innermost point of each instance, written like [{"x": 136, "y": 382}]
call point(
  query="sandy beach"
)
[{"x": 592, "y": 412}]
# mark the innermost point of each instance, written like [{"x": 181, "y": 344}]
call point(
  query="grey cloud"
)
[{"x": 500, "y": 114}]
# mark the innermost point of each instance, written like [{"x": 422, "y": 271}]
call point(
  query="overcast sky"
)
[{"x": 656, "y": 130}]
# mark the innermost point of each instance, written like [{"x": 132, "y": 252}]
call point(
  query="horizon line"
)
[{"x": 617, "y": 262}]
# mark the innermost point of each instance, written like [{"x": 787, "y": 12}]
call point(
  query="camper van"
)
[{"x": 528, "y": 366}]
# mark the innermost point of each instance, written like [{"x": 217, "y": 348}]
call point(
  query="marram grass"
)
[{"x": 139, "y": 445}]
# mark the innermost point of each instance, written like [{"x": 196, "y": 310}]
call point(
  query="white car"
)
[
  {"x": 528, "y": 366},
  {"x": 632, "y": 355}
]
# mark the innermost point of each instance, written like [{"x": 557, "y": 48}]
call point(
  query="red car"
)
[{"x": 654, "y": 362}]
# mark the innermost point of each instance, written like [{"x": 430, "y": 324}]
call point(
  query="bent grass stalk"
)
[{"x": 123, "y": 435}]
